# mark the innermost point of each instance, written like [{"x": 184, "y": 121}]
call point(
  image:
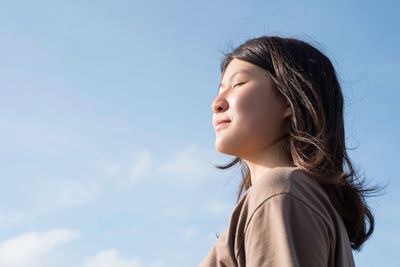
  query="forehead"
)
[{"x": 237, "y": 66}]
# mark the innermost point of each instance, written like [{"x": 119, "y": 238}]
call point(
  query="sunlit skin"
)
[{"x": 257, "y": 118}]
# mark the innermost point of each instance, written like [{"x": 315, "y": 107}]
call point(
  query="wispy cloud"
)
[
  {"x": 70, "y": 193},
  {"x": 35, "y": 249},
  {"x": 218, "y": 206},
  {"x": 126, "y": 172},
  {"x": 31, "y": 249},
  {"x": 44, "y": 196},
  {"x": 190, "y": 164},
  {"x": 113, "y": 258},
  {"x": 186, "y": 167},
  {"x": 141, "y": 163},
  {"x": 189, "y": 233},
  {"x": 108, "y": 258},
  {"x": 177, "y": 210}
]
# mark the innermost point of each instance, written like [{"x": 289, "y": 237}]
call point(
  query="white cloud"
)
[
  {"x": 218, "y": 206},
  {"x": 75, "y": 193},
  {"x": 61, "y": 193},
  {"x": 188, "y": 166},
  {"x": 191, "y": 164},
  {"x": 189, "y": 233},
  {"x": 141, "y": 163},
  {"x": 128, "y": 172},
  {"x": 158, "y": 263},
  {"x": 32, "y": 249},
  {"x": 177, "y": 210},
  {"x": 110, "y": 258},
  {"x": 47, "y": 195}
]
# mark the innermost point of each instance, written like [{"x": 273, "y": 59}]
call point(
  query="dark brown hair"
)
[{"x": 307, "y": 79}]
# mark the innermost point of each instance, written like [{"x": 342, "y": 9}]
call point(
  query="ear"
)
[{"x": 288, "y": 110}]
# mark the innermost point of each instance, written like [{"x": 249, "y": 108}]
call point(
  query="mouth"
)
[{"x": 221, "y": 125}]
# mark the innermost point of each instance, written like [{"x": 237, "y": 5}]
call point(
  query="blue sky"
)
[{"x": 106, "y": 142}]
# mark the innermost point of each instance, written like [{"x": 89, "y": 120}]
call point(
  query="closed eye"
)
[{"x": 238, "y": 84}]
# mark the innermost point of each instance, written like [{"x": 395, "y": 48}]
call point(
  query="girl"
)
[{"x": 279, "y": 110}]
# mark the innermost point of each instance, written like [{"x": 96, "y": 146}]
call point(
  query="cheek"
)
[
  {"x": 259, "y": 116},
  {"x": 255, "y": 123},
  {"x": 254, "y": 107}
]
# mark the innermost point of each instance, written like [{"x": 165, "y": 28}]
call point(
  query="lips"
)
[{"x": 220, "y": 124}]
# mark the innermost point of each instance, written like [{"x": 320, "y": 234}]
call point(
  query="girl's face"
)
[{"x": 253, "y": 116}]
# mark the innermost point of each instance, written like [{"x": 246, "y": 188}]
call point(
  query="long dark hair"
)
[{"x": 316, "y": 140}]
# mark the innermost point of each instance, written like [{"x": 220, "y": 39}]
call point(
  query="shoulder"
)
[
  {"x": 276, "y": 181},
  {"x": 281, "y": 183}
]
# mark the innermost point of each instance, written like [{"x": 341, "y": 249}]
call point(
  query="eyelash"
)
[{"x": 238, "y": 84}]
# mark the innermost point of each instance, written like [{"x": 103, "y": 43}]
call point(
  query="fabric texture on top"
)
[{"x": 284, "y": 219}]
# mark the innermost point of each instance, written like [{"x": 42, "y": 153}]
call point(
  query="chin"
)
[{"x": 225, "y": 148}]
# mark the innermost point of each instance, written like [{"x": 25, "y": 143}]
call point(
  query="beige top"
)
[{"x": 283, "y": 219}]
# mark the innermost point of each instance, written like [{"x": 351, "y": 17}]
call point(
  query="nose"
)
[{"x": 219, "y": 104}]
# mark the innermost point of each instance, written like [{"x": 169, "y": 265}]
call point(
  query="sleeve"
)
[
  {"x": 285, "y": 231},
  {"x": 221, "y": 255}
]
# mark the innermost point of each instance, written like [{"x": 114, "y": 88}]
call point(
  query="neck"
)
[{"x": 266, "y": 159}]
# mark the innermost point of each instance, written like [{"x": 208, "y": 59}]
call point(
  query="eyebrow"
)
[{"x": 233, "y": 75}]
